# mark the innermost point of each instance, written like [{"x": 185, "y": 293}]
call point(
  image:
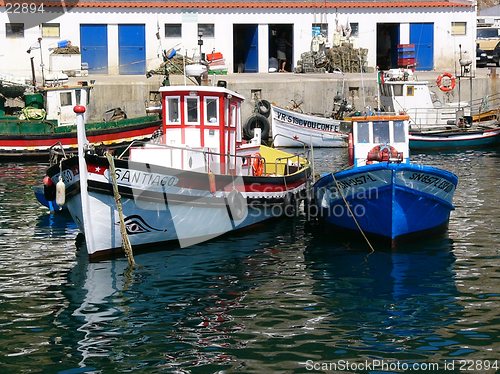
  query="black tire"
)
[
  {"x": 256, "y": 120},
  {"x": 264, "y": 108}
]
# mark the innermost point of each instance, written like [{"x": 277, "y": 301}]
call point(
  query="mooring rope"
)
[
  {"x": 123, "y": 230},
  {"x": 352, "y": 213}
]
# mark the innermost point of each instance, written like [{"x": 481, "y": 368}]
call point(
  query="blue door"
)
[
  {"x": 252, "y": 60},
  {"x": 422, "y": 35},
  {"x": 132, "y": 49},
  {"x": 94, "y": 47}
]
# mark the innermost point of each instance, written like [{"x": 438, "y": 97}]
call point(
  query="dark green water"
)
[{"x": 283, "y": 297}]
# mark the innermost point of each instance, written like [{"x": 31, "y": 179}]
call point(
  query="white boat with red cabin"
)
[{"x": 195, "y": 182}]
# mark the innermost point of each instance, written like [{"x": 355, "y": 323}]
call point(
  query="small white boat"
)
[
  {"x": 293, "y": 129},
  {"x": 401, "y": 92},
  {"x": 197, "y": 181}
]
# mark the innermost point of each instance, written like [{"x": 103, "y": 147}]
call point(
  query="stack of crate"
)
[{"x": 406, "y": 56}]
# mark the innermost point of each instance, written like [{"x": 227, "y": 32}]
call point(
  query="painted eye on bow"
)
[{"x": 136, "y": 225}]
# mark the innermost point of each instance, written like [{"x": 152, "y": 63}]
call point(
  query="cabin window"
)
[
  {"x": 363, "y": 132},
  {"x": 173, "y": 110},
  {"x": 410, "y": 90},
  {"x": 192, "y": 110},
  {"x": 399, "y": 132},
  {"x": 65, "y": 98},
  {"x": 78, "y": 97},
  {"x": 398, "y": 89},
  {"x": 212, "y": 110},
  {"x": 381, "y": 132}
]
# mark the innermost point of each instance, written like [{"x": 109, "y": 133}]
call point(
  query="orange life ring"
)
[
  {"x": 257, "y": 165},
  {"x": 383, "y": 153},
  {"x": 442, "y": 87}
]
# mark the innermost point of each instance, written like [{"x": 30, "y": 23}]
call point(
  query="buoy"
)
[
  {"x": 237, "y": 205},
  {"x": 211, "y": 182},
  {"x": 49, "y": 189},
  {"x": 60, "y": 192}
]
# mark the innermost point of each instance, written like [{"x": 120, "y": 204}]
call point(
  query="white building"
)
[{"x": 119, "y": 37}]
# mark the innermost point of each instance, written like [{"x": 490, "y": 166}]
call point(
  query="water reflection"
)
[
  {"x": 179, "y": 300},
  {"x": 391, "y": 303}
]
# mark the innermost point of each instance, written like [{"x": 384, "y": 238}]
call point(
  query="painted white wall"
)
[{"x": 15, "y": 60}]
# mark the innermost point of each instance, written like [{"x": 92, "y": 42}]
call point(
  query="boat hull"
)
[
  {"x": 465, "y": 139},
  {"x": 391, "y": 201},
  {"x": 162, "y": 204},
  {"x": 32, "y": 139},
  {"x": 292, "y": 129}
]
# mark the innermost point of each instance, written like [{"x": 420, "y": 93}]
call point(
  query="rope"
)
[
  {"x": 125, "y": 240},
  {"x": 352, "y": 214},
  {"x": 33, "y": 113}
]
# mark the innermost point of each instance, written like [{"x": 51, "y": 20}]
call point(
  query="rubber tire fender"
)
[
  {"x": 256, "y": 120},
  {"x": 264, "y": 108}
]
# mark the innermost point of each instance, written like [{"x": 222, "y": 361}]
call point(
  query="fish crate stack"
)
[
  {"x": 343, "y": 57},
  {"x": 347, "y": 58},
  {"x": 406, "y": 56}
]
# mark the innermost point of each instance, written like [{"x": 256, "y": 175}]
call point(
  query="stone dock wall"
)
[{"x": 316, "y": 92}]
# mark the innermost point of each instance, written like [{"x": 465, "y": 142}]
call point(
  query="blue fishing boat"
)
[{"x": 383, "y": 194}]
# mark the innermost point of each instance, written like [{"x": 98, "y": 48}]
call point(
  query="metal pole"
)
[{"x": 41, "y": 60}]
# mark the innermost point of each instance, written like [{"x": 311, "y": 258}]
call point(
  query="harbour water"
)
[{"x": 282, "y": 297}]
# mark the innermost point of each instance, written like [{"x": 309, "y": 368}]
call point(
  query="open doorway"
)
[
  {"x": 281, "y": 47},
  {"x": 246, "y": 49},
  {"x": 387, "y": 45}
]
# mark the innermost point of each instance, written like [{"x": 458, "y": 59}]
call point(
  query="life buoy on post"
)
[
  {"x": 443, "y": 87},
  {"x": 257, "y": 165}
]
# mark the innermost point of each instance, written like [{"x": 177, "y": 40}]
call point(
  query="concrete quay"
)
[{"x": 315, "y": 91}]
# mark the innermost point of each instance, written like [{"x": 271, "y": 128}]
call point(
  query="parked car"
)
[
  {"x": 488, "y": 39},
  {"x": 481, "y": 58}
]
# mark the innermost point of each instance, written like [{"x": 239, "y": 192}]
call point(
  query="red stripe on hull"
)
[{"x": 50, "y": 140}]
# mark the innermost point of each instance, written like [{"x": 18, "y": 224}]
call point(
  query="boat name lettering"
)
[
  {"x": 302, "y": 122},
  {"x": 434, "y": 181},
  {"x": 142, "y": 178},
  {"x": 359, "y": 180}
]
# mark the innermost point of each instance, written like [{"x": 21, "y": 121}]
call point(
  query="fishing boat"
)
[
  {"x": 434, "y": 125},
  {"x": 293, "y": 129},
  {"x": 195, "y": 182},
  {"x": 383, "y": 194},
  {"x": 473, "y": 137},
  {"x": 47, "y": 118}
]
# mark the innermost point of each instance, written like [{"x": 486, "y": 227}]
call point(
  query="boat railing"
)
[
  {"x": 244, "y": 159},
  {"x": 486, "y": 106},
  {"x": 432, "y": 117}
]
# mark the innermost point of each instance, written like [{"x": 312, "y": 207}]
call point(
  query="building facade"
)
[{"x": 128, "y": 37}]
